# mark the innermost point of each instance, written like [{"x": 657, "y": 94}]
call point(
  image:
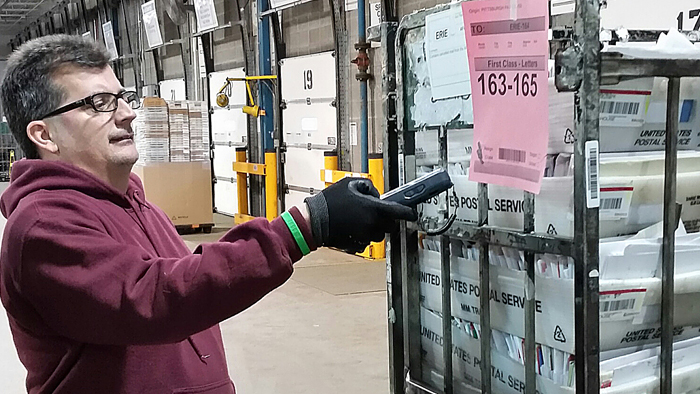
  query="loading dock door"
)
[
  {"x": 173, "y": 89},
  {"x": 310, "y": 125},
  {"x": 229, "y": 132}
]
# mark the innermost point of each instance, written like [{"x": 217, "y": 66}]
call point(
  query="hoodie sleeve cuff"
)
[
  {"x": 294, "y": 249},
  {"x": 304, "y": 227}
]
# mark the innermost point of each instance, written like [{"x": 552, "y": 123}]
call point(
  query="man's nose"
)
[{"x": 124, "y": 112}]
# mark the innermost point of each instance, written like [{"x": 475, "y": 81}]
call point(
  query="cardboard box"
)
[{"x": 182, "y": 190}]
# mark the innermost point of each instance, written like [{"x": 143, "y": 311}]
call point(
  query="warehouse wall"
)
[
  {"x": 171, "y": 59},
  {"x": 228, "y": 43},
  {"x": 308, "y": 28},
  {"x": 374, "y": 92},
  {"x": 406, "y": 7}
]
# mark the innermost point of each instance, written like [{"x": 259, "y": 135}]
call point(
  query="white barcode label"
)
[
  {"x": 514, "y": 155},
  {"x": 619, "y": 107},
  {"x": 623, "y": 108},
  {"x": 621, "y": 304},
  {"x": 611, "y": 203},
  {"x": 592, "y": 170},
  {"x": 615, "y": 201},
  {"x": 617, "y": 305}
]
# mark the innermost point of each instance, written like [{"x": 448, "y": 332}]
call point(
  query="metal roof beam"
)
[
  {"x": 23, "y": 4},
  {"x": 22, "y": 9}
]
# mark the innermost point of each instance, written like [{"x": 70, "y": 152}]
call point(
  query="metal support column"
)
[
  {"x": 391, "y": 181},
  {"x": 485, "y": 292},
  {"x": 411, "y": 273},
  {"x": 446, "y": 280},
  {"x": 530, "y": 296},
  {"x": 364, "y": 113},
  {"x": 280, "y": 50},
  {"x": 670, "y": 223},
  {"x": 267, "y": 125},
  {"x": 208, "y": 49},
  {"x": 134, "y": 50},
  {"x": 267, "y": 122},
  {"x": 255, "y": 155},
  {"x": 587, "y": 101},
  {"x": 185, "y": 48},
  {"x": 340, "y": 37}
]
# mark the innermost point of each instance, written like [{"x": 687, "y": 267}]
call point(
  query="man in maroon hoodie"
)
[{"x": 101, "y": 293}]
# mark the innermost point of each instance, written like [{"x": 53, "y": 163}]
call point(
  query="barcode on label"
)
[
  {"x": 515, "y": 155},
  {"x": 616, "y": 306},
  {"x": 619, "y": 107},
  {"x": 592, "y": 186},
  {"x": 611, "y": 203},
  {"x": 593, "y": 172}
]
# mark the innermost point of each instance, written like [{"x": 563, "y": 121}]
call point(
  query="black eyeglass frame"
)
[{"x": 90, "y": 101}]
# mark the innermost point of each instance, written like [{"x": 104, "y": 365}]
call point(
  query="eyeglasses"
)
[{"x": 100, "y": 102}]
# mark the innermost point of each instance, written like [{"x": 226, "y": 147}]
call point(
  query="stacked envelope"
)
[{"x": 630, "y": 299}]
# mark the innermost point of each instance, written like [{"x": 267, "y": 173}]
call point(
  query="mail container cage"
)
[{"x": 542, "y": 293}]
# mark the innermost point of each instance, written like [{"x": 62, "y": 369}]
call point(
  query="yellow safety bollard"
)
[
  {"x": 376, "y": 170},
  {"x": 330, "y": 162},
  {"x": 242, "y": 183},
  {"x": 271, "y": 203},
  {"x": 376, "y": 250},
  {"x": 12, "y": 162}
]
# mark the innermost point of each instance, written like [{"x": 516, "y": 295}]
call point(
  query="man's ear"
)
[{"x": 38, "y": 133}]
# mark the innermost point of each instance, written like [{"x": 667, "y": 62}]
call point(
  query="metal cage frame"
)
[{"x": 580, "y": 68}]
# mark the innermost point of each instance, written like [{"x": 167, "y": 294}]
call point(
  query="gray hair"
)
[{"x": 28, "y": 90}]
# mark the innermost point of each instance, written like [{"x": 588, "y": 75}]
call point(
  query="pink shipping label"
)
[{"x": 508, "y": 63}]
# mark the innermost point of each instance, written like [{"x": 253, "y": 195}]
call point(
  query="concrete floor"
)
[{"x": 325, "y": 330}]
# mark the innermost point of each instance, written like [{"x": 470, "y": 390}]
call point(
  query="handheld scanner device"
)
[{"x": 420, "y": 189}]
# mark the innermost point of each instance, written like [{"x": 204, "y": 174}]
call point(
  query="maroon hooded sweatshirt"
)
[{"x": 103, "y": 296}]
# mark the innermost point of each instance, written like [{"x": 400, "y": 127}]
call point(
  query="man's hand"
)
[{"x": 349, "y": 214}]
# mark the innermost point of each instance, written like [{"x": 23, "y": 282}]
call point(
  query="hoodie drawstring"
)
[
  {"x": 139, "y": 215},
  {"x": 202, "y": 357}
]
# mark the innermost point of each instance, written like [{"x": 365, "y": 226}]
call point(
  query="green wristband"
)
[{"x": 296, "y": 233}]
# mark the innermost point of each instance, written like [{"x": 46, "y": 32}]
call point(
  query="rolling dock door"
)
[
  {"x": 310, "y": 125},
  {"x": 229, "y": 132}
]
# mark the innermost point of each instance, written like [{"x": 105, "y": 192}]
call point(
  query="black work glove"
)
[{"x": 349, "y": 214}]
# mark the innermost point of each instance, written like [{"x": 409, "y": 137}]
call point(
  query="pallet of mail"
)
[
  {"x": 630, "y": 297},
  {"x": 152, "y": 131},
  {"x": 631, "y": 186},
  {"x": 171, "y": 131},
  {"x": 179, "y": 118},
  {"x": 199, "y": 131}
]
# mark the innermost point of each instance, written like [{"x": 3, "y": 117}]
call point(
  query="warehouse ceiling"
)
[{"x": 16, "y": 15}]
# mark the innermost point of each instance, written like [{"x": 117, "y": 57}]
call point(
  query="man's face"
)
[{"x": 99, "y": 142}]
